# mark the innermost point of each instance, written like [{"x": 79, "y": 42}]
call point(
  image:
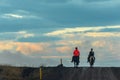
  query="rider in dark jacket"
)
[{"x": 91, "y": 53}]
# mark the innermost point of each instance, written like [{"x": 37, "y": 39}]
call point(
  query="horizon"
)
[{"x": 42, "y": 32}]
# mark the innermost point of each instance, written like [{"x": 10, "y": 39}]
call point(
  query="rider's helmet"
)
[
  {"x": 91, "y": 49},
  {"x": 76, "y": 48}
]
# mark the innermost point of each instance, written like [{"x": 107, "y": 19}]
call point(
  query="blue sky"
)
[{"x": 40, "y": 32}]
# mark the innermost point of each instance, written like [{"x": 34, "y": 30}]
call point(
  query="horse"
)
[
  {"x": 91, "y": 61},
  {"x": 75, "y": 59}
]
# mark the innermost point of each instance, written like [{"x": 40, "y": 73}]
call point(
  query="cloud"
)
[
  {"x": 19, "y": 14},
  {"x": 6, "y": 46},
  {"x": 28, "y": 48},
  {"x": 99, "y": 43},
  {"x": 13, "y": 16},
  {"x": 90, "y": 31},
  {"x": 54, "y": 1},
  {"x": 25, "y": 48},
  {"x": 55, "y": 57},
  {"x": 103, "y": 34},
  {"x": 25, "y": 34},
  {"x": 68, "y": 42},
  {"x": 67, "y": 30},
  {"x": 63, "y": 49},
  {"x": 96, "y": 1},
  {"x": 19, "y": 59},
  {"x": 14, "y": 36},
  {"x": 104, "y": 48},
  {"x": 31, "y": 48},
  {"x": 72, "y": 14},
  {"x": 47, "y": 28}
]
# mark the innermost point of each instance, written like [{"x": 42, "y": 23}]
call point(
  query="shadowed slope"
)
[
  {"x": 59, "y": 73},
  {"x": 81, "y": 73}
]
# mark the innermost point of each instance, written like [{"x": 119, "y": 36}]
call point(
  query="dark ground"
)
[
  {"x": 18, "y": 73},
  {"x": 60, "y": 73},
  {"x": 82, "y": 73}
]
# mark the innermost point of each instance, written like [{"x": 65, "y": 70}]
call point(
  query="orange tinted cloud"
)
[
  {"x": 99, "y": 43},
  {"x": 63, "y": 49},
  {"x": 103, "y": 34},
  {"x": 23, "y": 47},
  {"x": 58, "y": 57},
  {"x": 6, "y": 46},
  {"x": 28, "y": 48},
  {"x": 70, "y": 42}
]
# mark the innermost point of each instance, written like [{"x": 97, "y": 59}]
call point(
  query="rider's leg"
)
[{"x": 72, "y": 59}]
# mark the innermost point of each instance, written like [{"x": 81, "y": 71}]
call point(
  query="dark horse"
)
[
  {"x": 75, "y": 59},
  {"x": 91, "y": 61}
]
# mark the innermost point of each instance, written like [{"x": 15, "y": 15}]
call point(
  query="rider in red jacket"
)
[{"x": 76, "y": 54}]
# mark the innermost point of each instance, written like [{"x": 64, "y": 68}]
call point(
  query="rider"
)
[
  {"x": 91, "y": 53},
  {"x": 76, "y": 54}
]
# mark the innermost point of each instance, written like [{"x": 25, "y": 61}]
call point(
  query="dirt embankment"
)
[
  {"x": 59, "y": 73},
  {"x": 83, "y": 73}
]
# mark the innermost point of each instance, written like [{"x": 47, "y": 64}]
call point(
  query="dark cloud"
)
[
  {"x": 18, "y": 59},
  {"x": 54, "y": 1},
  {"x": 83, "y": 16},
  {"x": 57, "y": 16},
  {"x": 25, "y": 24},
  {"x": 96, "y": 0}
]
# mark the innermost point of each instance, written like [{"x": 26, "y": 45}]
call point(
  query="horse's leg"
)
[
  {"x": 77, "y": 64},
  {"x": 92, "y": 62},
  {"x": 74, "y": 64}
]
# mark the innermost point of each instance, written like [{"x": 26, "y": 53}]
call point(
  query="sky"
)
[{"x": 41, "y": 32}]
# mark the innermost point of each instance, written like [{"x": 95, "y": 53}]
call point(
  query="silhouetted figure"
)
[
  {"x": 61, "y": 64},
  {"x": 75, "y": 58},
  {"x": 91, "y": 58}
]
